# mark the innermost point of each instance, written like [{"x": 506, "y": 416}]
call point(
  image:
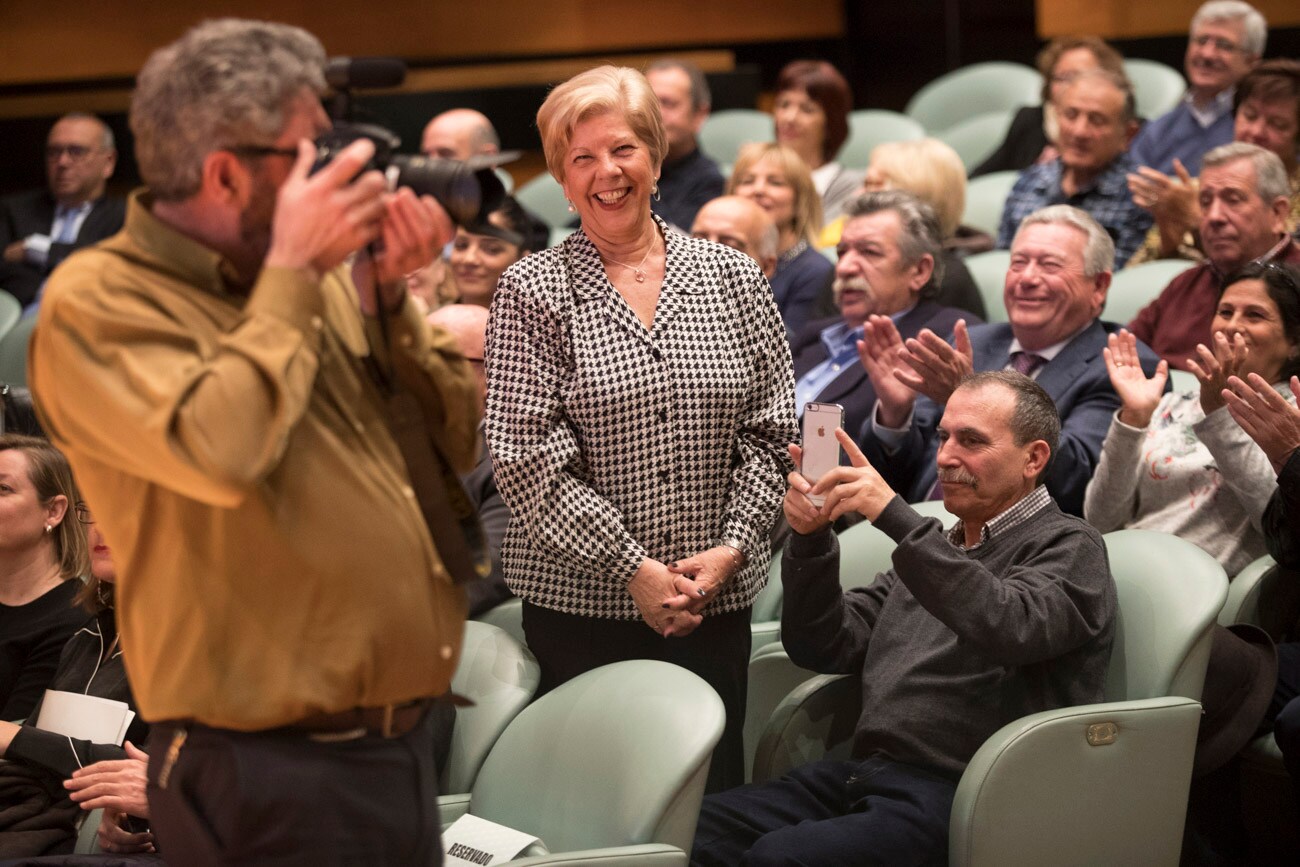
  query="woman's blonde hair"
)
[
  {"x": 594, "y": 92},
  {"x": 930, "y": 170},
  {"x": 50, "y": 475},
  {"x": 807, "y": 204}
]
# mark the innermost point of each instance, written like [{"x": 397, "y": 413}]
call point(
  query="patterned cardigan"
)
[{"x": 612, "y": 443}]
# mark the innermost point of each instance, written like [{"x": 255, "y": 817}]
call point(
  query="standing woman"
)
[
  {"x": 37, "y": 763},
  {"x": 777, "y": 179},
  {"x": 811, "y": 112},
  {"x": 42, "y": 553},
  {"x": 640, "y": 401}
]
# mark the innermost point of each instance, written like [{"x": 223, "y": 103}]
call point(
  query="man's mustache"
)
[{"x": 958, "y": 476}]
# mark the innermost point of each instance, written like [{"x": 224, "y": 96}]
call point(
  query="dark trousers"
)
[
  {"x": 828, "y": 813},
  {"x": 1285, "y": 710},
  {"x": 567, "y": 645},
  {"x": 283, "y": 798}
]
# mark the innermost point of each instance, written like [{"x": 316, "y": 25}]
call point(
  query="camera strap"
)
[{"x": 452, "y": 520}]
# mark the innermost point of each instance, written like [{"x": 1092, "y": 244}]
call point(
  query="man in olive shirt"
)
[{"x": 216, "y": 376}]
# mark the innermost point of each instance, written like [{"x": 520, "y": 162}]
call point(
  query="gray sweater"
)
[{"x": 952, "y": 645}]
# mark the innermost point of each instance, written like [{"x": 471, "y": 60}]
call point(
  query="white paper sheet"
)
[
  {"x": 471, "y": 842},
  {"x": 86, "y": 717}
]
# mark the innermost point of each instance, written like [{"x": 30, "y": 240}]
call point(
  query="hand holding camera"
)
[{"x": 323, "y": 217}]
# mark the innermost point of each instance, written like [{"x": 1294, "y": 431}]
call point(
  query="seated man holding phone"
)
[{"x": 1010, "y": 613}]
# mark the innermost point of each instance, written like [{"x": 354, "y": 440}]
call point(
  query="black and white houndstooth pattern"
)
[{"x": 612, "y": 443}]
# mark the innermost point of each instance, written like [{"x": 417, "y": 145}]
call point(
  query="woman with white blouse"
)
[
  {"x": 640, "y": 401},
  {"x": 1178, "y": 462}
]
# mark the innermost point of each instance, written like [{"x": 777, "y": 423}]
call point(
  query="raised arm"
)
[{"x": 1110, "y": 500}]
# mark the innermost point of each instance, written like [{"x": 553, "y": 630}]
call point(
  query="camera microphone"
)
[{"x": 345, "y": 73}]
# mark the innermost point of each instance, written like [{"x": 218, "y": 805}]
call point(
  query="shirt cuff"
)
[
  {"x": 890, "y": 438},
  {"x": 36, "y": 250}
]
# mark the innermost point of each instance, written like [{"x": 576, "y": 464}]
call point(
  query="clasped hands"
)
[
  {"x": 119, "y": 787},
  {"x": 671, "y": 596},
  {"x": 322, "y": 218},
  {"x": 900, "y": 369}
]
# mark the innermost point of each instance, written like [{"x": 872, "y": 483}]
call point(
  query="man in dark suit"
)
[
  {"x": 39, "y": 229},
  {"x": 1055, "y": 290},
  {"x": 890, "y": 261},
  {"x": 468, "y": 324}
]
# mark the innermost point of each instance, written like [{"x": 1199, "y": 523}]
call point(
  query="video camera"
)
[{"x": 467, "y": 191}]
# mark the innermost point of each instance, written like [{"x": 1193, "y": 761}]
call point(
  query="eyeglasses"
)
[
  {"x": 1220, "y": 44},
  {"x": 250, "y": 150},
  {"x": 84, "y": 514},
  {"x": 1286, "y": 272},
  {"x": 76, "y": 153}
]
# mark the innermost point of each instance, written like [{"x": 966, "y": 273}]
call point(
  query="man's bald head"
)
[
  {"x": 459, "y": 134},
  {"x": 742, "y": 225},
  {"x": 468, "y": 324}
]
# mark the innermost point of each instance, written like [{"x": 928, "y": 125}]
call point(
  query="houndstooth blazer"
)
[{"x": 612, "y": 443}]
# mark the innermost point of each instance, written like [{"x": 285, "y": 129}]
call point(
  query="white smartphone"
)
[{"x": 821, "y": 451}]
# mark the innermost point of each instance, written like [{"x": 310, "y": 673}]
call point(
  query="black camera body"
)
[{"x": 468, "y": 192}]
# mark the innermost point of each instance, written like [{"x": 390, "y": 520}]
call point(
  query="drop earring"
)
[{"x": 572, "y": 209}]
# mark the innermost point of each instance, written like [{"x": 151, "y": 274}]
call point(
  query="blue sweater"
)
[{"x": 1178, "y": 134}]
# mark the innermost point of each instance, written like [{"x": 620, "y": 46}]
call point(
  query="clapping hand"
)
[
  {"x": 936, "y": 368},
  {"x": 880, "y": 351},
  {"x": 1214, "y": 368},
  {"x": 1138, "y": 394},
  {"x": 1266, "y": 417}
]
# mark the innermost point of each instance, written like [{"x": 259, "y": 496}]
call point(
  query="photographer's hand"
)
[
  {"x": 413, "y": 231},
  {"x": 321, "y": 219}
]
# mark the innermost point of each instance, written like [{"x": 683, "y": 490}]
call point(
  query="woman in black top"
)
[
  {"x": 37, "y": 817},
  {"x": 41, "y": 551}
]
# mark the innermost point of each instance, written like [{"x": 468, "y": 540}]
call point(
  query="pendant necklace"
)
[{"x": 639, "y": 271}]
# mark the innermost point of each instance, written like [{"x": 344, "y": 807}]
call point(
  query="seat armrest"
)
[
  {"x": 1109, "y": 780},
  {"x": 451, "y": 808},
  {"x": 815, "y": 720},
  {"x": 1242, "y": 604}
]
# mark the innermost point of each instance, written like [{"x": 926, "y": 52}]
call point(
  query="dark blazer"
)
[
  {"x": 494, "y": 516},
  {"x": 1024, "y": 141},
  {"x": 33, "y": 213},
  {"x": 1076, "y": 380},
  {"x": 852, "y": 389}
]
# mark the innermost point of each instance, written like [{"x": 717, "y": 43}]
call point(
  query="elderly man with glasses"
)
[
  {"x": 39, "y": 229},
  {"x": 1226, "y": 41}
]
